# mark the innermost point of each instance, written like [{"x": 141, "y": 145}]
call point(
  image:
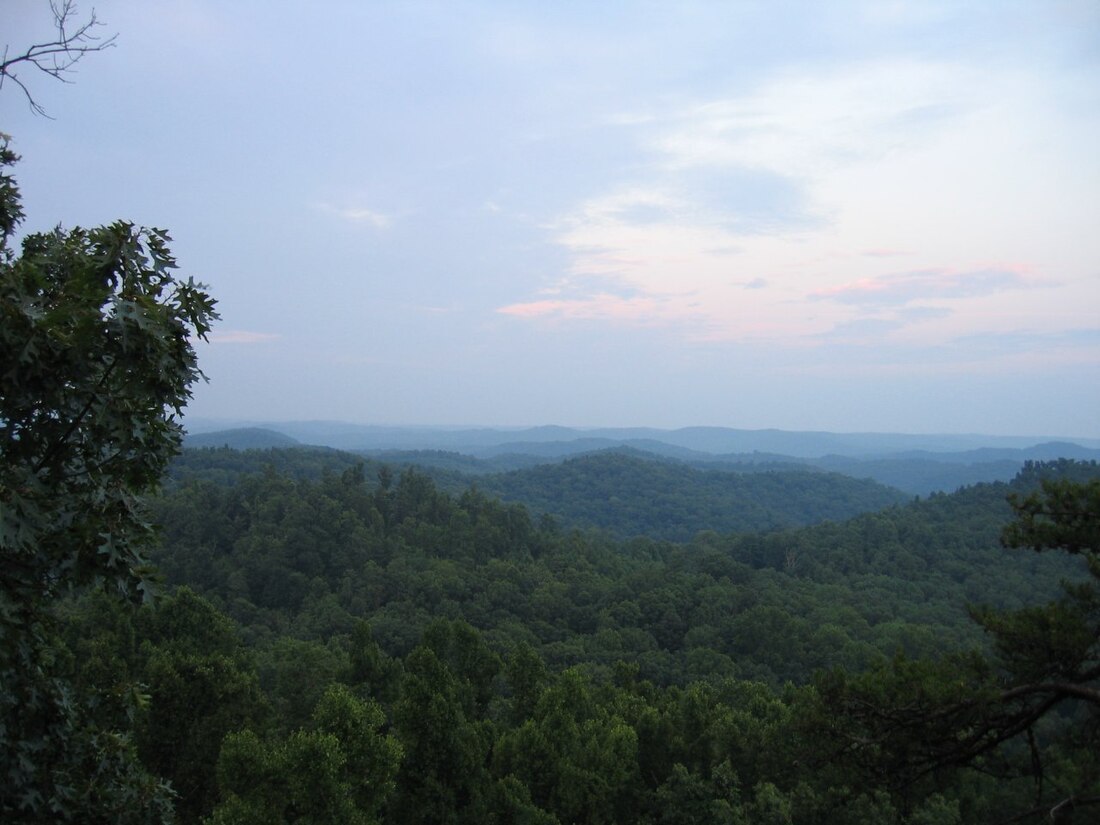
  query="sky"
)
[{"x": 848, "y": 216}]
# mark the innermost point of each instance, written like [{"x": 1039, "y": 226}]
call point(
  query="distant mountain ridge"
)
[
  {"x": 241, "y": 438},
  {"x": 712, "y": 440},
  {"x": 915, "y": 464}
]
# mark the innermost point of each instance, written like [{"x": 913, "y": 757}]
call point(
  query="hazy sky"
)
[{"x": 877, "y": 216}]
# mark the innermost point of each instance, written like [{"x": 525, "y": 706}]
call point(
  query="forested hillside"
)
[
  {"x": 626, "y": 493},
  {"x": 637, "y": 494},
  {"x": 478, "y": 664},
  {"x": 312, "y": 556}
]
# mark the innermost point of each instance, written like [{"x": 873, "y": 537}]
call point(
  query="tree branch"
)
[
  {"x": 1058, "y": 688},
  {"x": 1070, "y": 802},
  {"x": 56, "y": 58},
  {"x": 56, "y": 447}
]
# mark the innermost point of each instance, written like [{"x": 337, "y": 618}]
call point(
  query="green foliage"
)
[
  {"x": 634, "y": 495},
  {"x": 201, "y": 686},
  {"x": 95, "y": 336},
  {"x": 372, "y": 759},
  {"x": 442, "y": 777},
  {"x": 526, "y": 675},
  {"x": 294, "y": 674},
  {"x": 1032, "y": 709},
  {"x": 341, "y": 769},
  {"x": 195, "y": 700},
  {"x": 900, "y": 722},
  {"x": 369, "y": 669},
  {"x": 310, "y": 554},
  {"x": 477, "y": 667},
  {"x": 686, "y": 798},
  {"x": 96, "y": 363},
  {"x": 510, "y": 804},
  {"x": 578, "y": 756},
  {"x": 1064, "y": 515}
]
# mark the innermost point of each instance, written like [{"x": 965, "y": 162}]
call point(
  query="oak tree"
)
[{"x": 97, "y": 361}]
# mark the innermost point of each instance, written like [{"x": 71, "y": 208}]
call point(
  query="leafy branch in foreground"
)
[{"x": 96, "y": 365}]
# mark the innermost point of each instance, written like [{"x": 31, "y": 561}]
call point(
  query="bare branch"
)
[
  {"x": 1056, "y": 688},
  {"x": 1070, "y": 803},
  {"x": 56, "y": 58}
]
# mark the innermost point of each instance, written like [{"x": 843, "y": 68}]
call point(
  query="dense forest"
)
[
  {"x": 624, "y": 492},
  {"x": 630, "y": 495},
  {"x": 333, "y": 646},
  {"x": 293, "y": 550}
]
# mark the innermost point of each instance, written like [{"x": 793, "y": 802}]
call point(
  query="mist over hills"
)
[
  {"x": 241, "y": 438},
  {"x": 916, "y": 464},
  {"x": 480, "y": 441}
]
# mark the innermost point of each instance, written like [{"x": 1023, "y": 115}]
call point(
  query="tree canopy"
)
[{"x": 96, "y": 365}]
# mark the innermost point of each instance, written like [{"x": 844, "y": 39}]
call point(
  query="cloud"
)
[
  {"x": 629, "y": 205},
  {"x": 600, "y": 307},
  {"x": 749, "y": 201},
  {"x": 861, "y": 331},
  {"x": 883, "y": 253},
  {"x": 359, "y": 215},
  {"x": 802, "y": 124},
  {"x": 921, "y": 285},
  {"x": 724, "y": 200},
  {"x": 240, "y": 336},
  {"x": 878, "y": 203},
  {"x": 911, "y": 314}
]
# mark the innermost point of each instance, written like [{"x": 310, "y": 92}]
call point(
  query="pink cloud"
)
[
  {"x": 926, "y": 284},
  {"x": 534, "y": 309},
  {"x": 600, "y": 307}
]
